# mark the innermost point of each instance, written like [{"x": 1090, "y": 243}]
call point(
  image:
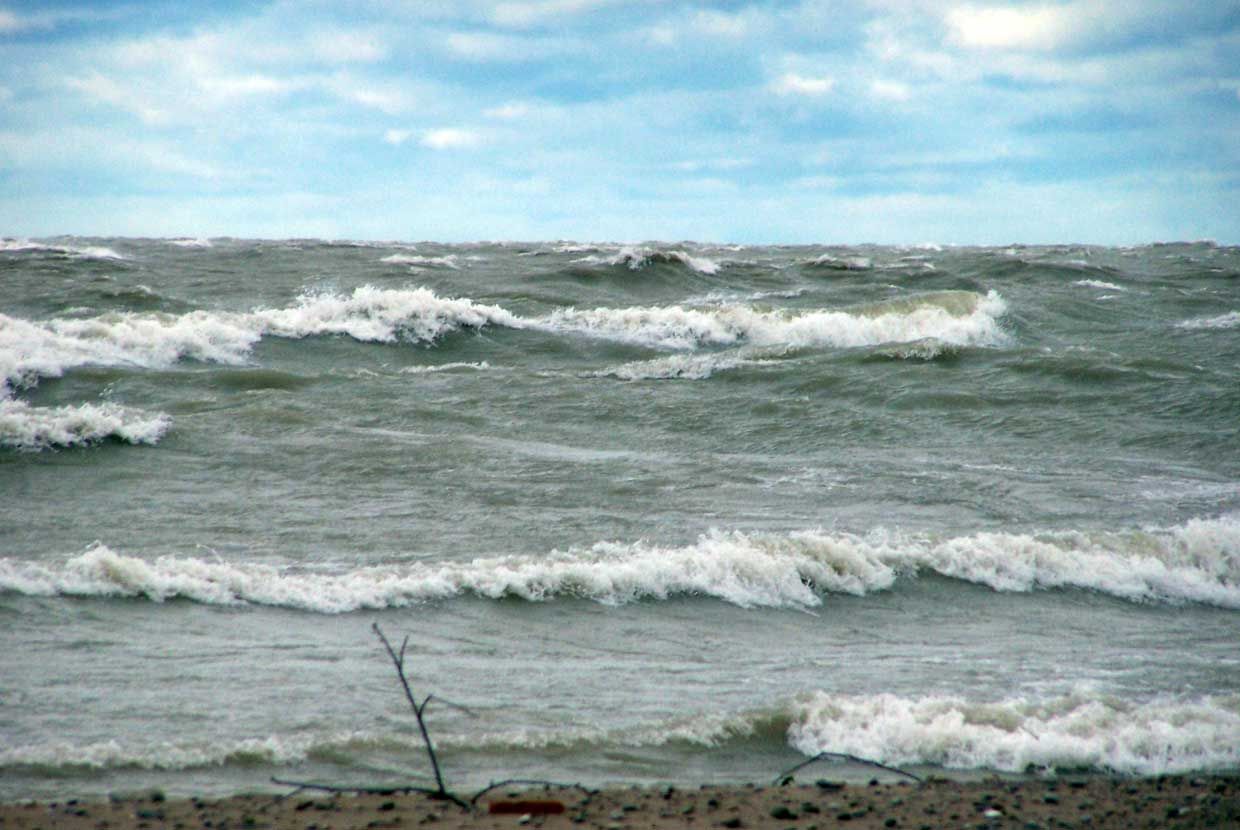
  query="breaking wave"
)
[
  {"x": 1230, "y": 320},
  {"x": 448, "y": 261},
  {"x": 1100, "y": 284},
  {"x": 1080, "y": 730},
  {"x": 636, "y": 259},
  {"x": 1195, "y": 562},
  {"x": 953, "y": 317},
  {"x": 36, "y": 428},
  {"x": 67, "y": 251},
  {"x": 30, "y": 350},
  {"x": 1069, "y": 732}
]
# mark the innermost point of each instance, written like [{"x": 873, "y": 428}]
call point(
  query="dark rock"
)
[
  {"x": 829, "y": 786},
  {"x": 809, "y": 807},
  {"x": 783, "y": 813},
  {"x": 732, "y": 822}
]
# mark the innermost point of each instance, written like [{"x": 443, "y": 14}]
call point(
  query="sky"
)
[{"x": 823, "y": 121}]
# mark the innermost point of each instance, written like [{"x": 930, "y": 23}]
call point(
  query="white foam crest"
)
[
  {"x": 30, "y": 350},
  {"x": 758, "y": 571},
  {"x": 956, "y": 318},
  {"x": 381, "y": 315},
  {"x": 418, "y": 261},
  {"x": 1230, "y": 320},
  {"x": 1195, "y": 562},
  {"x": 171, "y": 755},
  {"x": 35, "y": 428},
  {"x": 682, "y": 366},
  {"x": 1100, "y": 284},
  {"x": 1073, "y": 731},
  {"x": 834, "y": 263},
  {"x": 48, "y": 349},
  {"x": 200, "y": 242},
  {"x": 73, "y": 251},
  {"x": 480, "y": 366},
  {"x": 637, "y": 258}
]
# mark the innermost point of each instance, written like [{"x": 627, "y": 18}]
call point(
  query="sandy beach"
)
[{"x": 1093, "y": 802}]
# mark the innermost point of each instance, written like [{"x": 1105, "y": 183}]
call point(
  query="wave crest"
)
[
  {"x": 1073, "y": 731},
  {"x": 1195, "y": 562},
  {"x": 957, "y": 318},
  {"x": 36, "y": 428}
]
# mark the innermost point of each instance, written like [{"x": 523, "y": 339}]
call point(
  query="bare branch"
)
[
  {"x": 844, "y": 756},
  {"x": 529, "y": 782},
  {"x": 398, "y": 660}
]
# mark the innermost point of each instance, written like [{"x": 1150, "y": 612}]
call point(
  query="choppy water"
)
[{"x": 651, "y": 512}]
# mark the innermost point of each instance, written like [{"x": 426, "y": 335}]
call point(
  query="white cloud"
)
[
  {"x": 10, "y": 22},
  {"x": 793, "y": 84},
  {"x": 485, "y": 46},
  {"x": 721, "y": 24},
  {"x": 107, "y": 91},
  {"x": 349, "y": 47},
  {"x": 890, "y": 90},
  {"x": 700, "y": 165},
  {"x": 507, "y": 112},
  {"x": 450, "y": 138},
  {"x": 1041, "y": 27},
  {"x": 397, "y": 137},
  {"x": 226, "y": 86},
  {"x": 535, "y": 12}
]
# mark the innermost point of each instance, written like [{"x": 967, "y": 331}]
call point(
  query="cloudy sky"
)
[{"x": 1108, "y": 121}]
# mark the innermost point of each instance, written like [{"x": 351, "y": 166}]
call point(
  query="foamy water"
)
[{"x": 648, "y": 512}]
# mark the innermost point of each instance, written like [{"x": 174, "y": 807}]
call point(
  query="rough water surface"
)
[{"x": 651, "y": 512}]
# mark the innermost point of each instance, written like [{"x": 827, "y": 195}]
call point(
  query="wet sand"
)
[{"x": 1065, "y": 803}]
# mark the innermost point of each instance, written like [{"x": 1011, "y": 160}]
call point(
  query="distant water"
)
[{"x": 658, "y": 512}]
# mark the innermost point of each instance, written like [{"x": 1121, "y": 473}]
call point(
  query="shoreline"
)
[{"x": 1088, "y": 803}]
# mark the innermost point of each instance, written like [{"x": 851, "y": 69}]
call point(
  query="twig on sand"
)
[
  {"x": 530, "y": 782},
  {"x": 786, "y": 775}
]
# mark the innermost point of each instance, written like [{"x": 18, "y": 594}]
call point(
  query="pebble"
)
[{"x": 783, "y": 813}]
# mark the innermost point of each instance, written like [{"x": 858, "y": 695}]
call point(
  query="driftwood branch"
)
[
  {"x": 398, "y": 661},
  {"x": 527, "y": 782},
  {"x": 844, "y": 756}
]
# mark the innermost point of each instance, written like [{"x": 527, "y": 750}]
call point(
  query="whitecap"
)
[
  {"x": 1195, "y": 562},
  {"x": 35, "y": 428},
  {"x": 1153, "y": 737},
  {"x": 1230, "y": 320}
]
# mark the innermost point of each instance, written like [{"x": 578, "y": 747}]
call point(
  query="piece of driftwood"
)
[{"x": 786, "y": 775}]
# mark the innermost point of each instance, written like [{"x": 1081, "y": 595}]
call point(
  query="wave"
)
[
  {"x": 1195, "y": 562},
  {"x": 480, "y": 366},
  {"x": 636, "y": 259},
  {"x": 415, "y": 260},
  {"x": 68, "y": 251},
  {"x": 153, "y": 340},
  {"x": 199, "y": 242},
  {"x": 33, "y": 350},
  {"x": 954, "y": 317},
  {"x": 828, "y": 262},
  {"x": 36, "y": 428},
  {"x": 683, "y": 366},
  {"x": 1230, "y": 320},
  {"x": 1100, "y": 284},
  {"x": 1068, "y": 732}
]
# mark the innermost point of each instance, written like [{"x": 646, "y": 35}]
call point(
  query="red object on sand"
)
[{"x": 534, "y": 807}]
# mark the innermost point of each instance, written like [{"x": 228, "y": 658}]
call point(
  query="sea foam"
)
[
  {"x": 953, "y": 317},
  {"x": 1074, "y": 731},
  {"x": 636, "y": 258},
  {"x": 35, "y": 428},
  {"x": 1230, "y": 320},
  {"x": 1195, "y": 562},
  {"x": 1080, "y": 730}
]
